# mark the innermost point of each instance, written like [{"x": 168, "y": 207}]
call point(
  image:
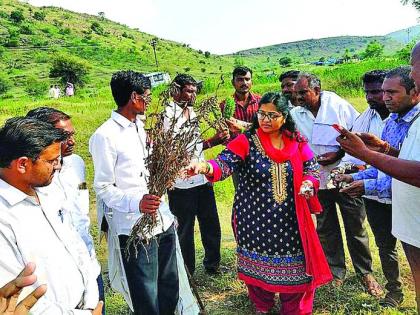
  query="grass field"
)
[{"x": 222, "y": 294}]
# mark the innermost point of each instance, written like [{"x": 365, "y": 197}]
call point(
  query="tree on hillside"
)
[
  {"x": 97, "y": 28},
  {"x": 405, "y": 53},
  {"x": 207, "y": 54},
  {"x": 69, "y": 68},
  {"x": 373, "y": 50},
  {"x": 414, "y": 3},
  {"x": 285, "y": 61},
  {"x": 101, "y": 15},
  {"x": 40, "y": 15},
  {"x": 346, "y": 56},
  {"x": 17, "y": 16}
]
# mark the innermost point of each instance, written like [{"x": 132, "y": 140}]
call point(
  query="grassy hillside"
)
[
  {"x": 333, "y": 47},
  {"x": 28, "y": 46}
]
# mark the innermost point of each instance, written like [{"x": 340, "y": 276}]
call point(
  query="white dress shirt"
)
[
  {"x": 319, "y": 131},
  {"x": 174, "y": 115},
  {"x": 405, "y": 197},
  {"x": 118, "y": 149},
  {"x": 74, "y": 210},
  {"x": 32, "y": 232}
]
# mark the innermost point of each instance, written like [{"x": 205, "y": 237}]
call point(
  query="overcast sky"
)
[{"x": 226, "y": 26}]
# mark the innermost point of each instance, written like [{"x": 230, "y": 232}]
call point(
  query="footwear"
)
[
  {"x": 213, "y": 271},
  {"x": 371, "y": 285},
  {"x": 392, "y": 300}
]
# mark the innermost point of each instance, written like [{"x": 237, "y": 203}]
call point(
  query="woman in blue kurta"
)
[{"x": 278, "y": 250}]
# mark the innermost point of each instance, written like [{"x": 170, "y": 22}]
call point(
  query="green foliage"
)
[
  {"x": 373, "y": 50},
  {"x": 40, "y": 15},
  {"x": 405, "y": 53},
  {"x": 4, "y": 85},
  {"x": 65, "y": 31},
  {"x": 12, "y": 40},
  {"x": 187, "y": 69},
  {"x": 35, "y": 87},
  {"x": 16, "y": 16},
  {"x": 229, "y": 108},
  {"x": 207, "y": 54},
  {"x": 285, "y": 61},
  {"x": 26, "y": 29},
  {"x": 414, "y": 3},
  {"x": 97, "y": 28},
  {"x": 203, "y": 70},
  {"x": 69, "y": 68}
]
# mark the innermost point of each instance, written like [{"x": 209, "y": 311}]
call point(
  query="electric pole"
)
[{"x": 153, "y": 42}]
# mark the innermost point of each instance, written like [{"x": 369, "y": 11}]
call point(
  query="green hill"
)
[
  {"x": 28, "y": 46},
  {"x": 31, "y": 37}
]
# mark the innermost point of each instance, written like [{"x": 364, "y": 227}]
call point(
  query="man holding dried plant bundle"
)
[
  {"x": 118, "y": 148},
  {"x": 193, "y": 197}
]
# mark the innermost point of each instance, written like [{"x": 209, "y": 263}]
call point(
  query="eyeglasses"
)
[
  {"x": 269, "y": 115},
  {"x": 54, "y": 162},
  {"x": 146, "y": 98}
]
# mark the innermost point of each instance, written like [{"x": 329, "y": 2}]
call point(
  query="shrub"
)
[
  {"x": 26, "y": 29},
  {"x": 187, "y": 69},
  {"x": 69, "y": 68},
  {"x": 17, "y": 16},
  {"x": 285, "y": 61},
  {"x": 207, "y": 54},
  {"x": 40, "y": 15},
  {"x": 97, "y": 28},
  {"x": 4, "y": 85},
  {"x": 65, "y": 31},
  {"x": 35, "y": 87},
  {"x": 203, "y": 69}
]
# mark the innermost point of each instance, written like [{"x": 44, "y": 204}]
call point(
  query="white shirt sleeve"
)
[
  {"x": 104, "y": 157},
  {"x": 11, "y": 266}
]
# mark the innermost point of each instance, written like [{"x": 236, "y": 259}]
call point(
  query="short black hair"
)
[
  {"x": 404, "y": 73},
  {"x": 293, "y": 74},
  {"x": 48, "y": 114},
  {"x": 241, "y": 70},
  {"x": 23, "y": 136},
  {"x": 374, "y": 76},
  {"x": 183, "y": 79},
  {"x": 313, "y": 80},
  {"x": 124, "y": 83}
]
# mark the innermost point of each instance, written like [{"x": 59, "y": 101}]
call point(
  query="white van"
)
[{"x": 157, "y": 78}]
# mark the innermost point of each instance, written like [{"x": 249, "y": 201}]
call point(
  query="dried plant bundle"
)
[{"x": 169, "y": 152}]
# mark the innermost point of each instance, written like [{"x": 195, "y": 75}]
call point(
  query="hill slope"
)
[{"x": 27, "y": 46}]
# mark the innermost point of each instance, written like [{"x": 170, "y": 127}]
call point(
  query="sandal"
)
[{"x": 371, "y": 285}]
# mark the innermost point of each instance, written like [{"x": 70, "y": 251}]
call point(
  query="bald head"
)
[{"x": 415, "y": 65}]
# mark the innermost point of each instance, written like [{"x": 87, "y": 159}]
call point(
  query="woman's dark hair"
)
[
  {"x": 282, "y": 106},
  {"x": 48, "y": 114},
  {"x": 22, "y": 136},
  {"x": 124, "y": 83}
]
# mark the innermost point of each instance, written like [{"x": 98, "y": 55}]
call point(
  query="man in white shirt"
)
[
  {"x": 69, "y": 184},
  {"x": 118, "y": 149},
  {"x": 29, "y": 227},
  {"x": 193, "y": 197},
  {"x": 314, "y": 118}
]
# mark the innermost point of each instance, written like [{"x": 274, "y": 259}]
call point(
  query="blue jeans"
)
[{"x": 152, "y": 276}]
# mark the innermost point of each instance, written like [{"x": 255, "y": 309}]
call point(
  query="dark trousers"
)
[
  {"x": 413, "y": 256},
  {"x": 235, "y": 180},
  {"x": 186, "y": 204},
  {"x": 101, "y": 290},
  {"x": 379, "y": 216},
  {"x": 152, "y": 276},
  {"x": 328, "y": 227}
]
